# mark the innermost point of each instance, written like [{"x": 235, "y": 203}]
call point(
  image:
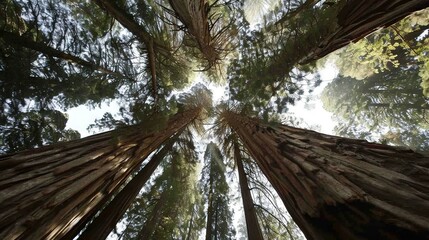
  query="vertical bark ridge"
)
[
  {"x": 112, "y": 213},
  {"x": 47, "y": 199},
  {"x": 253, "y": 228},
  {"x": 339, "y": 188}
]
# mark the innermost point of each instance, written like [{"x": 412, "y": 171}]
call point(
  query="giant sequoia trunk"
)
[
  {"x": 47, "y": 192},
  {"x": 113, "y": 212},
  {"x": 339, "y": 188},
  {"x": 359, "y": 18},
  {"x": 253, "y": 229},
  {"x": 197, "y": 18}
]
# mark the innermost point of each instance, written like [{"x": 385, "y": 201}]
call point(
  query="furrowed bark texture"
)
[
  {"x": 358, "y": 18},
  {"x": 194, "y": 15},
  {"x": 46, "y": 192},
  {"x": 253, "y": 228},
  {"x": 339, "y": 188},
  {"x": 113, "y": 212}
]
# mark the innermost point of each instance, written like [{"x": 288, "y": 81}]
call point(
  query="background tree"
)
[
  {"x": 171, "y": 204},
  {"x": 385, "y": 102},
  {"x": 402, "y": 45},
  {"x": 215, "y": 188},
  {"x": 356, "y": 19},
  {"x": 55, "y": 55}
]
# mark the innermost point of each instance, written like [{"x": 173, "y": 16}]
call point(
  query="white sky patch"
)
[
  {"x": 317, "y": 115},
  {"x": 82, "y": 116}
]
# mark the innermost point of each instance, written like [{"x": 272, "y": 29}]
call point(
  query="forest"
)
[{"x": 207, "y": 142}]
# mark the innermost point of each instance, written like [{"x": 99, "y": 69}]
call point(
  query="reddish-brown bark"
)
[
  {"x": 47, "y": 192},
  {"x": 253, "y": 228},
  {"x": 197, "y": 18},
  {"x": 112, "y": 213},
  {"x": 339, "y": 188},
  {"x": 359, "y": 18}
]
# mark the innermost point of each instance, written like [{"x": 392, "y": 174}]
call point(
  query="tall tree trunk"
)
[
  {"x": 253, "y": 228},
  {"x": 190, "y": 226},
  {"x": 340, "y": 188},
  {"x": 209, "y": 225},
  {"x": 358, "y": 18},
  {"x": 149, "y": 226},
  {"x": 15, "y": 39},
  {"x": 199, "y": 20},
  {"x": 46, "y": 192},
  {"x": 112, "y": 213}
]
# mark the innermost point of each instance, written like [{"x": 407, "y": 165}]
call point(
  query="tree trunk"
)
[
  {"x": 46, "y": 192},
  {"x": 359, "y": 18},
  {"x": 209, "y": 225},
  {"x": 340, "y": 188},
  {"x": 190, "y": 226},
  {"x": 16, "y": 39},
  {"x": 112, "y": 213},
  {"x": 196, "y": 17},
  {"x": 149, "y": 226},
  {"x": 253, "y": 228}
]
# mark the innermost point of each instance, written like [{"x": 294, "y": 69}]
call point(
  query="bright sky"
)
[
  {"x": 81, "y": 117},
  {"x": 317, "y": 115}
]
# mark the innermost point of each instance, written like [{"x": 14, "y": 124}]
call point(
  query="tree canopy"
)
[{"x": 156, "y": 59}]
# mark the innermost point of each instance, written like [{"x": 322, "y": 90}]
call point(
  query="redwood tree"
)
[
  {"x": 112, "y": 213},
  {"x": 46, "y": 192},
  {"x": 356, "y": 19},
  {"x": 252, "y": 224},
  {"x": 340, "y": 188}
]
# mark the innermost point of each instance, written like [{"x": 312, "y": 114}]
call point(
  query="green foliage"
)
[
  {"x": 215, "y": 188},
  {"x": 385, "y": 102},
  {"x": 266, "y": 74},
  {"x": 263, "y": 75},
  {"x": 404, "y": 43},
  {"x": 171, "y": 207}
]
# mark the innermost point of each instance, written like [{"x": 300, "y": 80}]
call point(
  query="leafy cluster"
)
[{"x": 142, "y": 55}]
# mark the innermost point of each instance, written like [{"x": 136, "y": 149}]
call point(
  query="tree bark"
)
[
  {"x": 194, "y": 16},
  {"x": 253, "y": 228},
  {"x": 16, "y": 39},
  {"x": 112, "y": 213},
  {"x": 358, "y": 18},
  {"x": 209, "y": 225},
  {"x": 340, "y": 188},
  {"x": 46, "y": 192}
]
